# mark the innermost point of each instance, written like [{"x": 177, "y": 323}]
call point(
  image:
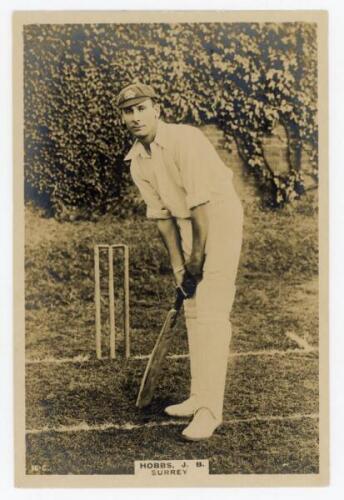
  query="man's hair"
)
[{"x": 154, "y": 100}]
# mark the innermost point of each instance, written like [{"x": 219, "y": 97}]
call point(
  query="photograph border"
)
[{"x": 109, "y": 481}]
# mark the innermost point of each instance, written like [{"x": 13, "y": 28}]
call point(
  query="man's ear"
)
[{"x": 157, "y": 109}]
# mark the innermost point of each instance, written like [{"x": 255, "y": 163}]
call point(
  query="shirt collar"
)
[
  {"x": 138, "y": 149},
  {"x": 161, "y": 134}
]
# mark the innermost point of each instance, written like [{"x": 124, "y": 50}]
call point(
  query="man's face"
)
[{"x": 141, "y": 119}]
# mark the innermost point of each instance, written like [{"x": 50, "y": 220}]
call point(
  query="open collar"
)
[{"x": 138, "y": 149}]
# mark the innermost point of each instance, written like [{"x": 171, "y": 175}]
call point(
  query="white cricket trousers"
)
[{"x": 207, "y": 314}]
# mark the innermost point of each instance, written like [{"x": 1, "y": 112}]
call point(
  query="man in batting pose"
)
[{"x": 189, "y": 192}]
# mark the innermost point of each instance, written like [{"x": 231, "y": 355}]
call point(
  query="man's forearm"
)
[
  {"x": 199, "y": 220},
  {"x": 170, "y": 235}
]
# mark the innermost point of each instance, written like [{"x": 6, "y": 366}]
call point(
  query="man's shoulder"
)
[
  {"x": 180, "y": 127},
  {"x": 182, "y": 131}
]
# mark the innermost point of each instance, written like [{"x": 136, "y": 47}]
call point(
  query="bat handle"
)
[{"x": 180, "y": 296}]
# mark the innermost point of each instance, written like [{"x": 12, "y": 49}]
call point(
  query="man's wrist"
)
[
  {"x": 178, "y": 269},
  {"x": 195, "y": 265},
  {"x": 196, "y": 259}
]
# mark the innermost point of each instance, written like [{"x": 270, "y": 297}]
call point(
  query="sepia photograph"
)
[{"x": 171, "y": 267}]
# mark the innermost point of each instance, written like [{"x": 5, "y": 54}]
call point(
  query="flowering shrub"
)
[{"x": 244, "y": 77}]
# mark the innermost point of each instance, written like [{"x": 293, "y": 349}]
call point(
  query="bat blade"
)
[{"x": 152, "y": 372}]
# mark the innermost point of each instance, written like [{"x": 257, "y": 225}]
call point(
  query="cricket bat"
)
[{"x": 152, "y": 372}]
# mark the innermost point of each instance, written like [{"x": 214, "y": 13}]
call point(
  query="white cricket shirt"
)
[{"x": 182, "y": 171}]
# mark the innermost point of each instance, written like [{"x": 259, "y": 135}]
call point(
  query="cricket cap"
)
[{"x": 134, "y": 94}]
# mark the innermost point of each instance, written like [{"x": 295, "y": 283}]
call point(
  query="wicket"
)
[{"x": 97, "y": 295}]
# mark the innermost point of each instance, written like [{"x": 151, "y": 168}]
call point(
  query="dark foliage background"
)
[{"x": 244, "y": 77}]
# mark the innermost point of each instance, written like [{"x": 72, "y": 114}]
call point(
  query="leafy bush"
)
[{"x": 244, "y": 77}]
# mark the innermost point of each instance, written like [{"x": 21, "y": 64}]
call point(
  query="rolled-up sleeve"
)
[
  {"x": 155, "y": 206},
  {"x": 195, "y": 157}
]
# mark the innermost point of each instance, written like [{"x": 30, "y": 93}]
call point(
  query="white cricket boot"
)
[
  {"x": 202, "y": 425},
  {"x": 184, "y": 409}
]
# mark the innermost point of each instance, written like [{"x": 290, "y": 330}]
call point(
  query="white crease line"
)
[
  {"x": 270, "y": 352},
  {"x": 76, "y": 359},
  {"x": 170, "y": 356},
  {"x": 84, "y": 427},
  {"x": 302, "y": 343},
  {"x": 83, "y": 359}
]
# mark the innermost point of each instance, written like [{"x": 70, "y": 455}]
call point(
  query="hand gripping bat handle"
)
[
  {"x": 180, "y": 296},
  {"x": 186, "y": 290}
]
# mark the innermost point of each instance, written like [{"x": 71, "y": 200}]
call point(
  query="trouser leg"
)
[
  {"x": 190, "y": 312},
  {"x": 211, "y": 343},
  {"x": 208, "y": 313},
  {"x": 191, "y": 327}
]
